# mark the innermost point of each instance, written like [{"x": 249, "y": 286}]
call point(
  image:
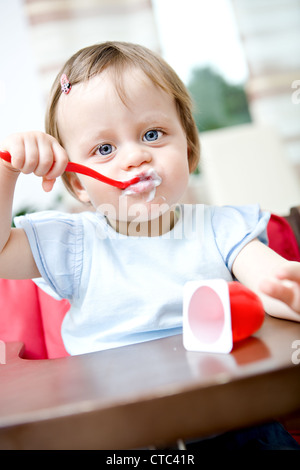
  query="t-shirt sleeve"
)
[
  {"x": 235, "y": 226},
  {"x": 56, "y": 241}
]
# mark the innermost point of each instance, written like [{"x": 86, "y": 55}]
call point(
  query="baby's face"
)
[{"x": 144, "y": 135}]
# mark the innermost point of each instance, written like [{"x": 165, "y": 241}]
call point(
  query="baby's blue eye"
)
[
  {"x": 105, "y": 149},
  {"x": 152, "y": 135}
]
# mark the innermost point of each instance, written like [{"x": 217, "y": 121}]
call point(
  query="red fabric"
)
[
  {"x": 295, "y": 434},
  {"x": 282, "y": 238},
  {"x": 53, "y": 313},
  {"x": 20, "y": 318},
  {"x": 29, "y": 315}
]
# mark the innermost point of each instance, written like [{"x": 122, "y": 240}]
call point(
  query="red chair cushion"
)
[
  {"x": 52, "y": 313},
  {"x": 282, "y": 238},
  {"x": 20, "y": 318},
  {"x": 29, "y": 315}
]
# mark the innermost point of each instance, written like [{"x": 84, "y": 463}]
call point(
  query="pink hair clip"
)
[{"x": 65, "y": 84}]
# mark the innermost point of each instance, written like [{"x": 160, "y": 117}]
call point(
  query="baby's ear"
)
[{"x": 76, "y": 187}]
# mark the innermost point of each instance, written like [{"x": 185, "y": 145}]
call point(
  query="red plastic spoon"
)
[{"x": 84, "y": 170}]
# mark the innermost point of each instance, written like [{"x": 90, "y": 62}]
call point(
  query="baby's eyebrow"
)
[
  {"x": 94, "y": 136},
  {"x": 154, "y": 118}
]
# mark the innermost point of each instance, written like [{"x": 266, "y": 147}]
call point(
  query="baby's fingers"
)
[
  {"x": 48, "y": 184},
  {"x": 36, "y": 152},
  {"x": 285, "y": 291},
  {"x": 52, "y": 159},
  {"x": 60, "y": 161},
  {"x": 25, "y": 152},
  {"x": 276, "y": 289},
  {"x": 15, "y": 145},
  {"x": 52, "y": 164},
  {"x": 290, "y": 271}
]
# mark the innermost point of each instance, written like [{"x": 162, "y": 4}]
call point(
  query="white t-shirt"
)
[{"x": 125, "y": 290}]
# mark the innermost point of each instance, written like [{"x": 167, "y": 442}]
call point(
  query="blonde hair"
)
[{"x": 117, "y": 56}]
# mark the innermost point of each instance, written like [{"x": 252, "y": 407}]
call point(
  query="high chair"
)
[
  {"x": 29, "y": 315},
  {"x": 95, "y": 396}
]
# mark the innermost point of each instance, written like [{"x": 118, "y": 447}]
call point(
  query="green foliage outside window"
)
[{"x": 218, "y": 103}]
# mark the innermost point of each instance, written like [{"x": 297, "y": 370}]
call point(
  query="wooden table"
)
[{"x": 148, "y": 394}]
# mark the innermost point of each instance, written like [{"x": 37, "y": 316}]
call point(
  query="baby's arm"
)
[
  {"x": 32, "y": 152},
  {"x": 273, "y": 278}
]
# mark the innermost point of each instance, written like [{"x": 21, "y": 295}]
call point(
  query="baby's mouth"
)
[{"x": 148, "y": 183}]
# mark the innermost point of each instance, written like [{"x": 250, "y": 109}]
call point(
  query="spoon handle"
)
[{"x": 84, "y": 170}]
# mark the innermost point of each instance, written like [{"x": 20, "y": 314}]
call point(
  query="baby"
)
[
  {"x": 122, "y": 111},
  {"x": 119, "y": 109}
]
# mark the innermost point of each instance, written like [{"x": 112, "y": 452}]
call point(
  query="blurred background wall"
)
[
  {"x": 239, "y": 58},
  {"x": 270, "y": 33},
  {"x": 58, "y": 28}
]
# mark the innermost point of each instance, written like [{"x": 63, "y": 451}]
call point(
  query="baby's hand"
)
[
  {"x": 38, "y": 153},
  {"x": 285, "y": 286}
]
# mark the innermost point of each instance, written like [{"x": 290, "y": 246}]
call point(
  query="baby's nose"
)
[{"x": 136, "y": 155}]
